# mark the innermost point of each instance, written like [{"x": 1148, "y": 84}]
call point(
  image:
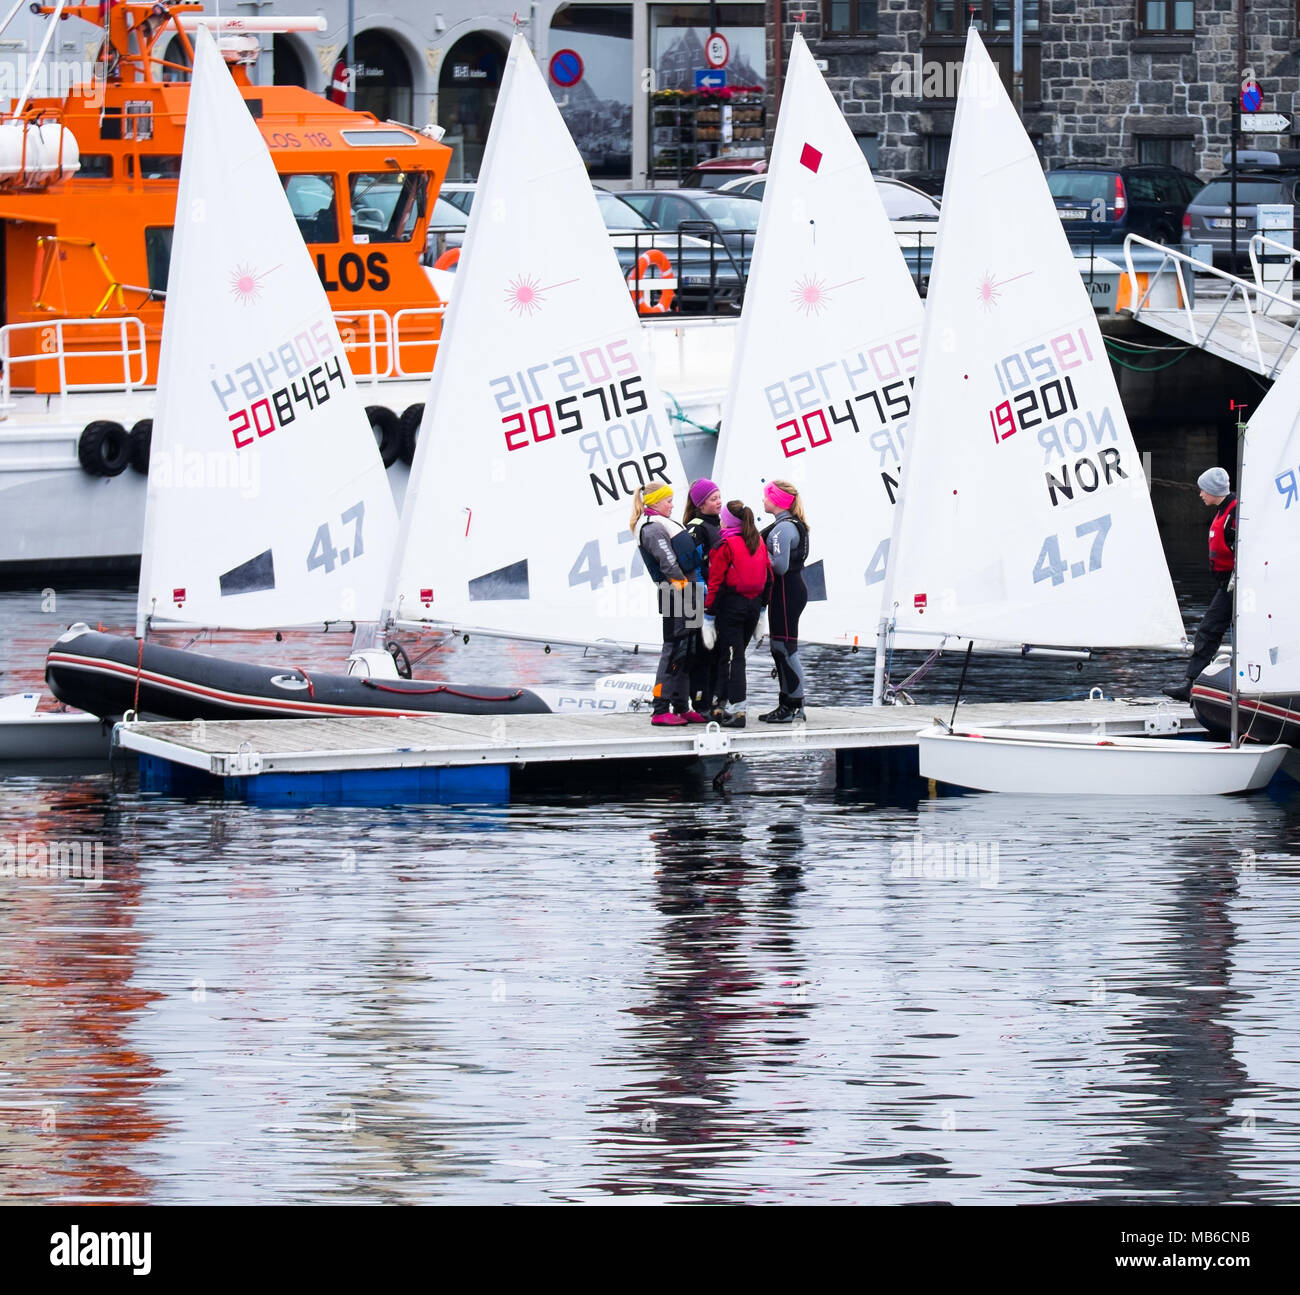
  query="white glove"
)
[
  {"x": 709, "y": 633},
  {"x": 760, "y": 630}
]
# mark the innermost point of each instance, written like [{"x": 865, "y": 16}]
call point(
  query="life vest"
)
[
  {"x": 683, "y": 543},
  {"x": 800, "y": 554},
  {"x": 1221, "y": 556},
  {"x": 707, "y": 532}
]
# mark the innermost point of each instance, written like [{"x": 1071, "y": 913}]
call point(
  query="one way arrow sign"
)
[
  {"x": 1265, "y": 123},
  {"x": 713, "y": 80}
]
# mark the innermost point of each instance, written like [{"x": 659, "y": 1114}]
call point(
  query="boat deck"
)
[{"x": 248, "y": 751}]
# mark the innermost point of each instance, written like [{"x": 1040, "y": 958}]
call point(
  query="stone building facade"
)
[{"x": 1142, "y": 81}]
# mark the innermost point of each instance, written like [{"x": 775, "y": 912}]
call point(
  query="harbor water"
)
[{"x": 765, "y": 991}]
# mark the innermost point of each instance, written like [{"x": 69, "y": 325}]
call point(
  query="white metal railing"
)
[
  {"x": 1236, "y": 287},
  {"x": 375, "y": 334},
  {"x": 53, "y": 348},
  {"x": 430, "y": 315},
  {"x": 1259, "y": 243}
]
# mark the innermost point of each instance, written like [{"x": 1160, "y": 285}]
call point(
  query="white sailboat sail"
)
[
  {"x": 827, "y": 346},
  {"x": 1024, "y": 514},
  {"x": 1268, "y": 543},
  {"x": 543, "y": 416},
  {"x": 268, "y": 503}
]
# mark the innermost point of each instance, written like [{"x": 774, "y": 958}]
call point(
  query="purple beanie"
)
[{"x": 701, "y": 490}]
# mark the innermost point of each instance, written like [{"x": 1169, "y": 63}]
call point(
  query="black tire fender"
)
[
  {"x": 141, "y": 440},
  {"x": 104, "y": 449},
  {"x": 388, "y": 433},
  {"x": 412, "y": 417}
]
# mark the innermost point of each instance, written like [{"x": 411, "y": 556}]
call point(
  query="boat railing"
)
[
  {"x": 1183, "y": 266},
  {"x": 55, "y": 342},
  {"x": 380, "y": 345},
  {"x": 424, "y": 329}
]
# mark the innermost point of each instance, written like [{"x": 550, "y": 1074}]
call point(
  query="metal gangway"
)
[{"x": 1237, "y": 319}]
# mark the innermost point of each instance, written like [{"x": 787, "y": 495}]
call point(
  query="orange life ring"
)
[
  {"x": 643, "y": 284},
  {"x": 448, "y": 259}
]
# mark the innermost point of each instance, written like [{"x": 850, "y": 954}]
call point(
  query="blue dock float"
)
[{"x": 474, "y": 759}]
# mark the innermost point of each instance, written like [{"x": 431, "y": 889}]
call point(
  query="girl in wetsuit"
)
[
  {"x": 701, "y": 519},
  {"x": 740, "y": 577},
  {"x": 787, "y": 545},
  {"x": 670, "y": 558}
]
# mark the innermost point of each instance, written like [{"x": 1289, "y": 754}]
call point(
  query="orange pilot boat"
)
[{"x": 88, "y": 186}]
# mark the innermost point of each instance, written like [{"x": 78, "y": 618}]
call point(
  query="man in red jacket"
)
[{"x": 1216, "y": 493}]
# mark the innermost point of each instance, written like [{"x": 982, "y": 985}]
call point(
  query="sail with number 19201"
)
[{"x": 1025, "y": 514}]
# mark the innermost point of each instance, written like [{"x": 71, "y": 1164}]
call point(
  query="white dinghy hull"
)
[{"x": 1059, "y": 764}]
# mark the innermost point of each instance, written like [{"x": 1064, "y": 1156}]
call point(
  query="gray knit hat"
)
[{"x": 1214, "y": 481}]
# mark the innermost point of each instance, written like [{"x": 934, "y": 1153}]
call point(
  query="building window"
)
[
  {"x": 954, "y": 17},
  {"x": 936, "y": 151},
  {"x": 1171, "y": 150},
  {"x": 850, "y": 17},
  {"x": 1166, "y": 17},
  {"x": 870, "y": 146}
]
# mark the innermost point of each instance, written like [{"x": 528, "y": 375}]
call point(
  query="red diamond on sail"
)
[
  {"x": 178, "y": 596},
  {"x": 919, "y": 602},
  {"x": 810, "y": 157},
  {"x": 426, "y": 596}
]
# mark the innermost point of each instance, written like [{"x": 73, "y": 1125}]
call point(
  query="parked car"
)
[
  {"x": 703, "y": 279},
  {"x": 1104, "y": 204},
  {"x": 730, "y": 218},
  {"x": 914, "y": 216},
  {"x": 706, "y": 278},
  {"x": 714, "y": 173},
  {"x": 930, "y": 182},
  {"x": 1209, "y": 217}
]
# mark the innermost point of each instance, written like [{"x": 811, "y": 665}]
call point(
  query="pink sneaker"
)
[
  {"x": 668, "y": 718},
  {"x": 694, "y": 717}
]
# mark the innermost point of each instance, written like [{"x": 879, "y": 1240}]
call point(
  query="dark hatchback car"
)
[
  {"x": 728, "y": 218},
  {"x": 1209, "y": 215},
  {"x": 1105, "y": 204}
]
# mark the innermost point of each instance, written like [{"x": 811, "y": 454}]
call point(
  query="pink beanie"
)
[{"x": 701, "y": 490}]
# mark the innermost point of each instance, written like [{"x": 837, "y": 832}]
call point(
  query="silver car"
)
[{"x": 1209, "y": 214}]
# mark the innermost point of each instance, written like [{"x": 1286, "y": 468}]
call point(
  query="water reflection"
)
[
  {"x": 722, "y": 1012},
  {"x": 74, "y": 1082}
]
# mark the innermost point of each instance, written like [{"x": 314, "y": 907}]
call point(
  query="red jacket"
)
[
  {"x": 1221, "y": 542},
  {"x": 733, "y": 566}
]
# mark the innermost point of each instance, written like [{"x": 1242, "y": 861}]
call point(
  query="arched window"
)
[
  {"x": 287, "y": 62},
  {"x": 383, "y": 84},
  {"x": 468, "y": 82}
]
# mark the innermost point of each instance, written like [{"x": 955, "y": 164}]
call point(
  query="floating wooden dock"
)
[{"x": 469, "y": 758}]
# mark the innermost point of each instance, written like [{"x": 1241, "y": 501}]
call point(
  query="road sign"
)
[
  {"x": 566, "y": 67},
  {"x": 709, "y": 80},
  {"x": 1252, "y": 97},
  {"x": 716, "y": 50},
  {"x": 1266, "y": 123}
]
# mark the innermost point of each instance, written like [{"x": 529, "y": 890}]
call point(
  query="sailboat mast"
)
[{"x": 1235, "y": 736}]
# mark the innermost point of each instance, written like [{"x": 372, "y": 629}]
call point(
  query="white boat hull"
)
[
  {"x": 1068, "y": 764},
  {"x": 54, "y": 736},
  {"x": 58, "y": 515}
]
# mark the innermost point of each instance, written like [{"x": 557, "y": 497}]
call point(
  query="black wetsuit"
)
[{"x": 787, "y": 545}]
